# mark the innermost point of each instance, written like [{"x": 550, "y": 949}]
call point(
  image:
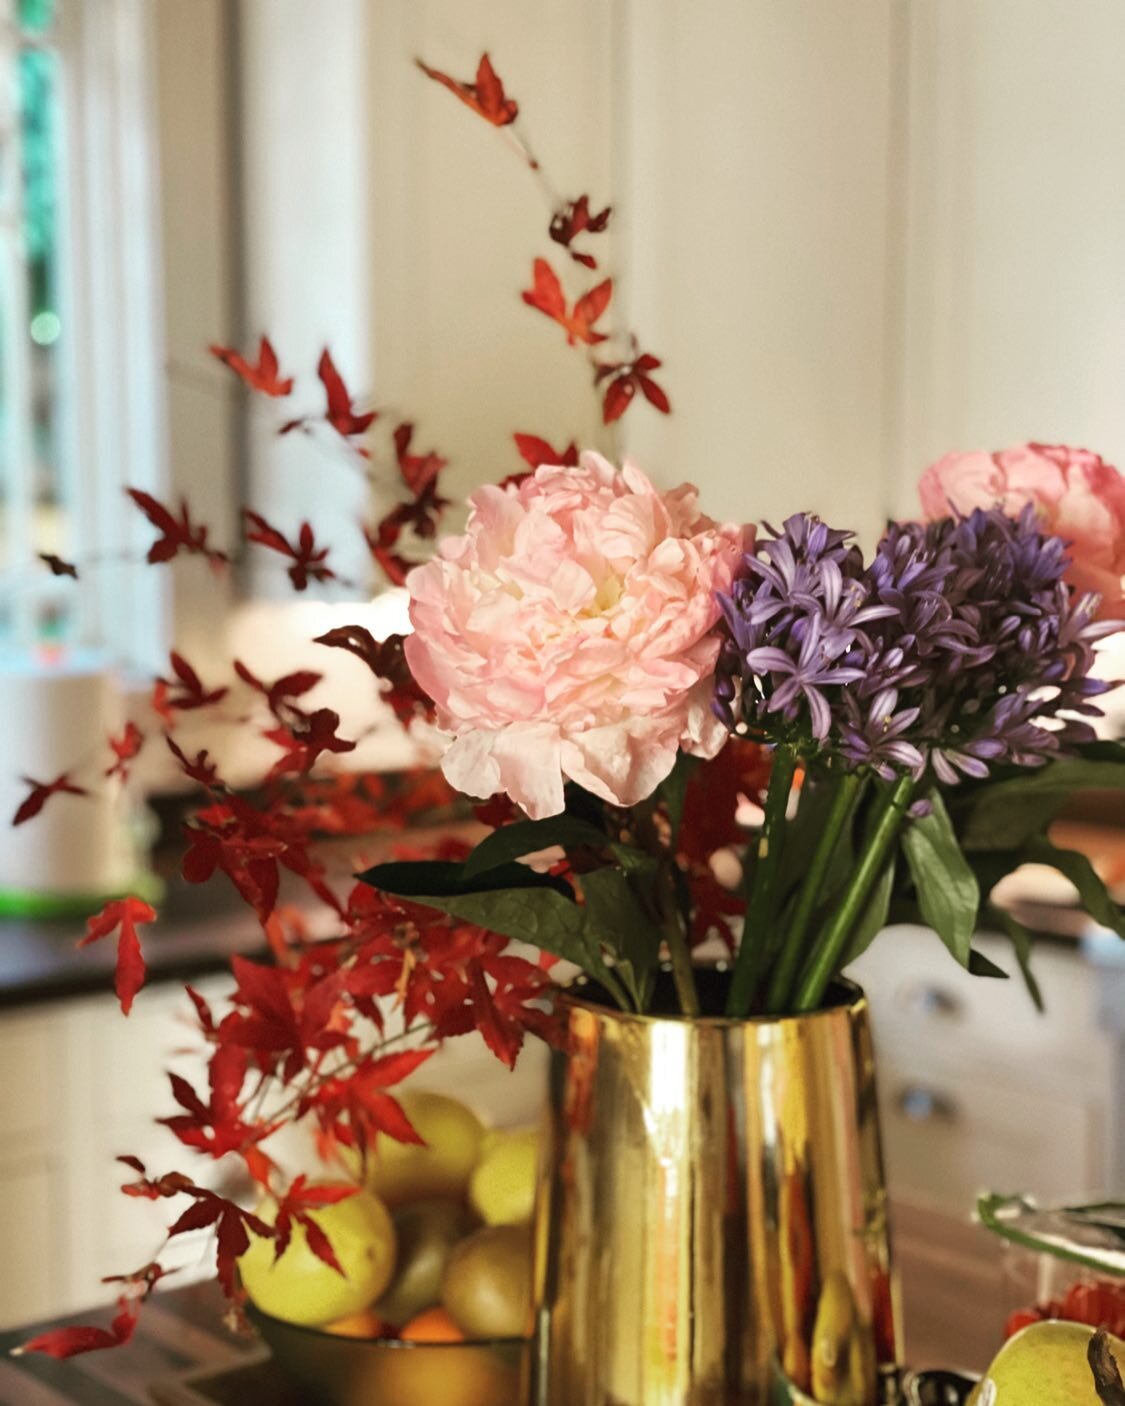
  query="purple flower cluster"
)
[{"x": 957, "y": 646}]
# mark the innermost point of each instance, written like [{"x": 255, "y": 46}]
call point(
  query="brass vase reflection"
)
[{"x": 712, "y": 1210}]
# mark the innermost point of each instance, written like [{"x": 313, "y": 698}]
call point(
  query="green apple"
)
[
  {"x": 426, "y": 1232},
  {"x": 1044, "y": 1364},
  {"x": 502, "y": 1188},
  {"x": 486, "y": 1285},
  {"x": 299, "y": 1287}
]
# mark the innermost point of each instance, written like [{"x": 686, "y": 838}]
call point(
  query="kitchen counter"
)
[
  {"x": 178, "y": 1332},
  {"x": 196, "y": 934}
]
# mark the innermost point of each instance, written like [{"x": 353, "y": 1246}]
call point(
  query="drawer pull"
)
[
  {"x": 922, "y": 1105},
  {"x": 931, "y": 1001}
]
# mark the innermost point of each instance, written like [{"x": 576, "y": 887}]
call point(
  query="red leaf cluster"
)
[
  {"x": 57, "y": 566},
  {"x": 535, "y": 451},
  {"x": 41, "y": 792},
  {"x": 177, "y": 534},
  {"x": 625, "y": 379},
  {"x": 485, "y": 96},
  {"x": 546, "y": 294},
  {"x": 387, "y": 661},
  {"x": 125, "y": 749},
  {"x": 339, "y": 410},
  {"x": 261, "y": 376},
  {"x": 121, "y": 915},
  {"x": 308, "y": 561},
  {"x": 184, "y": 692},
  {"x": 573, "y": 219}
]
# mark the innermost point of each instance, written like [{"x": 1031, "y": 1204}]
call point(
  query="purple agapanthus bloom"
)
[{"x": 958, "y": 646}]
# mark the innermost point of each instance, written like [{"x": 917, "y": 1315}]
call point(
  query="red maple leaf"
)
[
  {"x": 41, "y": 792},
  {"x": 340, "y": 412},
  {"x": 535, "y": 451},
  {"x": 278, "y": 695},
  {"x": 69, "y": 1342},
  {"x": 294, "y": 1209},
  {"x": 309, "y": 562},
  {"x": 178, "y": 534},
  {"x": 217, "y": 1126},
  {"x": 184, "y": 692},
  {"x": 418, "y": 470},
  {"x": 304, "y": 740},
  {"x": 354, "y": 1108},
  {"x": 284, "y": 1027},
  {"x": 573, "y": 219},
  {"x": 233, "y": 1226},
  {"x": 387, "y": 661},
  {"x": 125, "y": 748},
  {"x": 625, "y": 379},
  {"x": 57, "y": 566},
  {"x": 547, "y": 295},
  {"x": 485, "y": 96},
  {"x": 381, "y": 542},
  {"x": 122, "y": 915},
  {"x": 202, "y": 770},
  {"x": 260, "y": 376}
]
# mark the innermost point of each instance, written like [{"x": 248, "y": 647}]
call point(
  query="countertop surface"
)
[
  {"x": 197, "y": 932},
  {"x": 178, "y": 1333}
]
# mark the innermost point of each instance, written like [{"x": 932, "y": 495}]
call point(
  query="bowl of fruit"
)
[{"x": 433, "y": 1307}]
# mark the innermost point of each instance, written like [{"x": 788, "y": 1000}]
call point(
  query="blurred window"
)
[
  {"x": 33, "y": 322},
  {"x": 80, "y": 404}
]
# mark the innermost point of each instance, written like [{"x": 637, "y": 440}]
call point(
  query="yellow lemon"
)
[
  {"x": 300, "y": 1287},
  {"x": 400, "y": 1171},
  {"x": 502, "y": 1188}
]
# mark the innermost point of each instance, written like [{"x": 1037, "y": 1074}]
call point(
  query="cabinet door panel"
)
[{"x": 32, "y": 1228}]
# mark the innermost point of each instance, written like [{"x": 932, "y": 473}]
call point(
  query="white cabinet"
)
[
  {"x": 979, "y": 1092},
  {"x": 80, "y": 1085}
]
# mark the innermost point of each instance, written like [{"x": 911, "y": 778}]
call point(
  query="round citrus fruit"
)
[
  {"x": 502, "y": 1187},
  {"x": 299, "y": 1287},
  {"x": 452, "y": 1133}
]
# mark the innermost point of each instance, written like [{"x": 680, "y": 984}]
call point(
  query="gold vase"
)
[{"x": 711, "y": 1213}]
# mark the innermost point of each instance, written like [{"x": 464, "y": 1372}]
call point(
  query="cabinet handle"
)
[
  {"x": 931, "y": 1001},
  {"x": 922, "y": 1105}
]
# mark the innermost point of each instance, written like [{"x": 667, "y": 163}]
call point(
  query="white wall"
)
[
  {"x": 1011, "y": 306},
  {"x": 459, "y": 219},
  {"x": 306, "y": 277},
  {"x": 756, "y": 144}
]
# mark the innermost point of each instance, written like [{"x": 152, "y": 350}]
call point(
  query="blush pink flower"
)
[
  {"x": 1077, "y": 495},
  {"x": 569, "y": 634}
]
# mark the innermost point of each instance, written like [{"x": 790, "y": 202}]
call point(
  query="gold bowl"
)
[{"x": 331, "y": 1370}]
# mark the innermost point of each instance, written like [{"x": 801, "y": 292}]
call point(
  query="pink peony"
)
[
  {"x": 569, "y": 634},
  {"x": 1077, "y": 495}
]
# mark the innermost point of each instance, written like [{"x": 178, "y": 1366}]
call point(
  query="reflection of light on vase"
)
[{"x": 57, "y": 718}]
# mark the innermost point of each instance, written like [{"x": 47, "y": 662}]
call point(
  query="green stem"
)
[
  {"x": 752, "y": 950},
  {"x": 832, "y": 945},
  {"x": 679, "y": 952},
  {"x": 788, "y": 963}
]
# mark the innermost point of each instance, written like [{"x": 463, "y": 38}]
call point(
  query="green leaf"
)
[
  {"x": 1081, "y": 873},
  {"x": 414, "y": 877},
  {"x": 539, "y": 916},
  {"x": 873, "y": 917},
  {"x": 948, "y": 893},
  {"x": 512, "y": 842},
  {"x": 1006, "y": 814},
  {"x": 618, "y": 920},
  {"x": 1021, "y": 941},
  {"x": 980, "y": 965},
  {"x": 673, "y": 790}
]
